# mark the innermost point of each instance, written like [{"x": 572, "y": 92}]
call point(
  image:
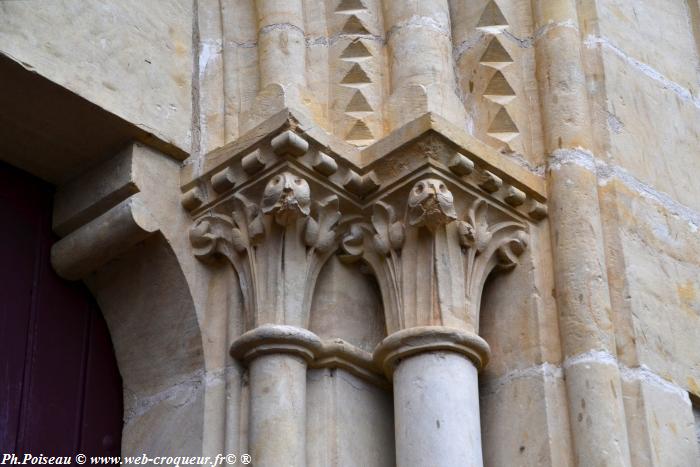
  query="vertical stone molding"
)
[
  {"x": 281, "y": 42},
  {"x": 420, "y": 61},
  {"x": 599, "y": 433}
]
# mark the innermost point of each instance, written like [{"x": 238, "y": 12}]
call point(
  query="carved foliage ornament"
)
[
  {"x": 277, "y": 247},
  {"x": 431, "y": 265}
]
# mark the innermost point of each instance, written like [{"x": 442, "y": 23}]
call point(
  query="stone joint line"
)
[
  {"x": 607, "y": 172},
  {"x": 548, "y": 370},
  {"x": 683, "y": 93}
]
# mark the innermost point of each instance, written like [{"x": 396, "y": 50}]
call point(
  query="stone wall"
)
[
  {"x": 132, "y": 58},
  {"x": 643, "y": 64},
  {"x": 576, "y": 124}
]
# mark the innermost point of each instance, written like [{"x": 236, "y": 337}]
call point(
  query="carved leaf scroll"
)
[
  {"x": 389, "y": 233},
  {"x": 320, "y": 232},
  {"x": 212, "y": 236}
]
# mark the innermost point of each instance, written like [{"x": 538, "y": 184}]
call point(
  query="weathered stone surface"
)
[
  {"x": 666, "y": 26},
  {"x": 132, "y": 58},
  {"x": 660, "y": 152},
  {"x": 507, "y": 305},
  {"x": 657, "y": 270},
  {"x": 178, "y": 414},
  {"x": 660, "y": 421},
  {"x": 382, "y": 197},
  {"x": 436, "y": 411},
  {"x": 524, "y": 418},
  {"x": 356, "y": 292},
  {"x": 350, "y": 422}
]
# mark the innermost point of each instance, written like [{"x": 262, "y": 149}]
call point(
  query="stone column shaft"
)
[
  {"x": 278, "y": 410},
  {"x": 436, "y": 395},
  {"x": 436, "y": 407},
  {"x": 281, "y": 42},
  {"x": 277, "y": 358},
  {"x": 593, "y": 384},
  {"x": 421, "y": 67},
  {"x": 420, "y": 44}
]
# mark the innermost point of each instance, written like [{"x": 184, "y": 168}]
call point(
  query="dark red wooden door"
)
[{"x": 60, "y": 389}]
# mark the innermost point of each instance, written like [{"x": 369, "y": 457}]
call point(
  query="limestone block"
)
[
  {"x": 495, "y": 62},
  {"x": 661, "y": 151},
  {"x": 157, "y": 353},
  {"x": 346, "y": 287},
  {"x": 350, "y": 422},
  {"x": 209, "y": 77},
  {"x": 660, "y": 422},
  {"x": 659, "y": 267},
  {"x": 240, "y": 67},
  {"x": 656, "y": 33},
  {"x": 524, "y": 419},
  {"x": 130, "y": 57},
  {"x": 517, "y": 320},
  {"x": 101, "y": 188},
  {"x": 168, "y": 424}
]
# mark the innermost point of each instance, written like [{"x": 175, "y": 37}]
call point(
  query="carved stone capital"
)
[
  {"x": 432, "y": 263},
  {"x": 412, "y": 341},
  {"x": 277, "y": 245},
  {"x": 432, "y": 214}
]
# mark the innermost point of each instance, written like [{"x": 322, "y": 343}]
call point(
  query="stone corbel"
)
[
  {"x": 122, "y": 228},
  {"x": 103, "y": 239}
]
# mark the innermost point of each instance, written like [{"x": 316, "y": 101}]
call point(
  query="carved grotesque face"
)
[
  {"x": 287, "y": 197},
  {"x": 430, "y": 204}
]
